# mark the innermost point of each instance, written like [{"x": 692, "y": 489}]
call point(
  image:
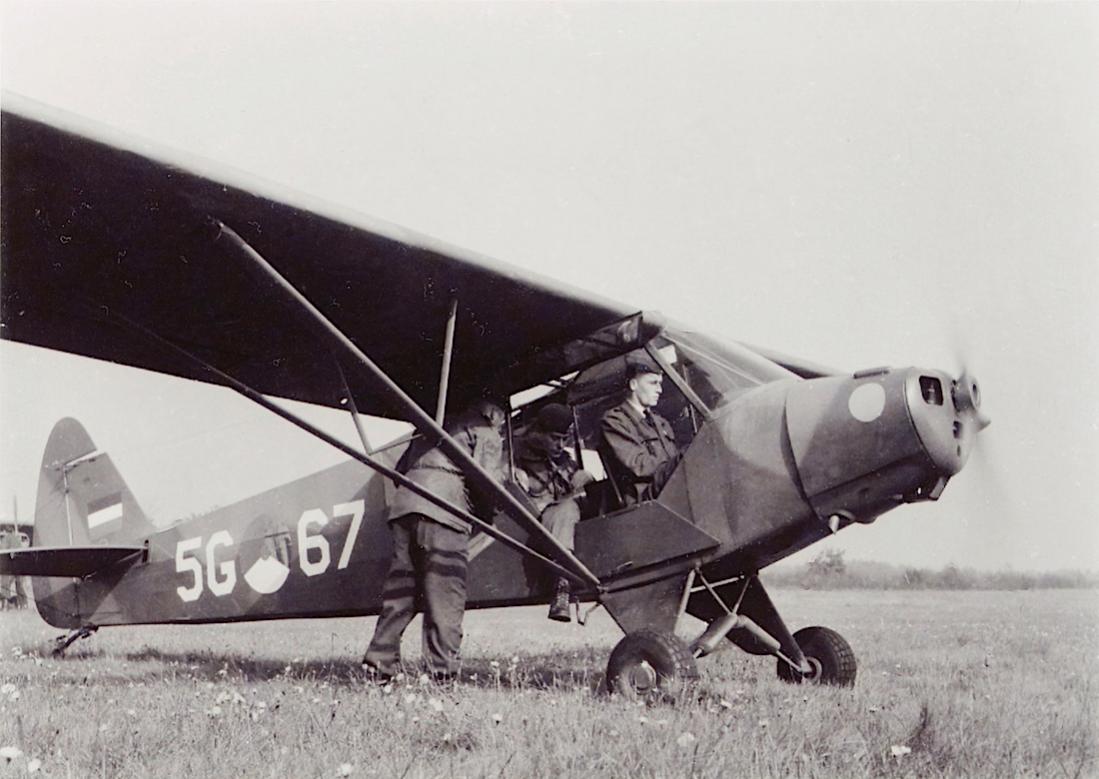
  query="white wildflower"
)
[
  {"x": 213, "y": 711},
  {"x": 900, "y": 750},
  {"x": 345, "y": 769},
  {"x": 726, "y": 704},
  {"x": 686, "y": 739},
  {"x": 10, "y": 753},
  {"x": 496, "y": 718},
  {"x": 7, "y": 689},
  {"x": 33, "y": 766}
]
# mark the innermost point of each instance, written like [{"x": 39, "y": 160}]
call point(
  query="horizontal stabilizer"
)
[{"x": 64, "y": 560}]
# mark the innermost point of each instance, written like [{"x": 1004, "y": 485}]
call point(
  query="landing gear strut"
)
[{"x": 64, "y": 642}]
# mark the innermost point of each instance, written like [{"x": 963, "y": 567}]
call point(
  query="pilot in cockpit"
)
[{"x": 638, "y": 444}]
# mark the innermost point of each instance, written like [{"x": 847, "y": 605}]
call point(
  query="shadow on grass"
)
[{"x": 558, "y": 671}]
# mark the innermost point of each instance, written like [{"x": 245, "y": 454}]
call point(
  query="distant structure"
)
[{"x": 14, "y": 535}]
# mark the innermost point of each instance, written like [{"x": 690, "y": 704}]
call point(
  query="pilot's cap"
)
[
  {"x": 636, "y": 366},
  {"x": 554, "y": 418}
]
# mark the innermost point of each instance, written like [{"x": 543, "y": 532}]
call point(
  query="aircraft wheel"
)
[
  {"x": 648, "y": 664},
  {"x": 829, "y": 655}
]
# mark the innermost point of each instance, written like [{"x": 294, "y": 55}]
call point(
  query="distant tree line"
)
[{"x": 830, "y": 571}]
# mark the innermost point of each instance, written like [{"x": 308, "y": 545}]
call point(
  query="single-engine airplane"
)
[{"x": 117, "y": 251}]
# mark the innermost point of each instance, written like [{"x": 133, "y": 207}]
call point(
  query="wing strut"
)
[
  {"x": 448, "y": 352},
  {"x": 354, "y": 410},
  {"x": 369, "y": 462},
  {"x": 422, "y": 421}
]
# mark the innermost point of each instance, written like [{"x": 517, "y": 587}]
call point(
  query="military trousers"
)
[
  {"x": 427, "y": 574},
  {"x": 560, "y": 520}
]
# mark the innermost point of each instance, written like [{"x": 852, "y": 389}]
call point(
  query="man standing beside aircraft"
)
[
  {"x": 553, "y": 480},
  {"x": 639, "y": 443},
  {"x": 428, "y": 569}
]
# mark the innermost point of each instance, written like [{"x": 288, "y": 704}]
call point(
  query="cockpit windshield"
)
[{"x": 717, "y": 371}]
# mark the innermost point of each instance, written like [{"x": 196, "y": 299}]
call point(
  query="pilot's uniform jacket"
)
[
  {"x": 430, "y": 546},
  {"x": 640, "y": 450},
  {"x": 549, "y": 479}
]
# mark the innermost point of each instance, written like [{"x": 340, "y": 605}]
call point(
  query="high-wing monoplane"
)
[{"x": 117, "y": 251}]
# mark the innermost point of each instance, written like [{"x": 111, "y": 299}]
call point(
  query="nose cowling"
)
[
  {"x": 863, "y": 444},
  {"x": 946, "y": 414}
]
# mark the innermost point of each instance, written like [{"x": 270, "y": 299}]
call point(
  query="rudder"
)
[{"x": 82, "y": 500}]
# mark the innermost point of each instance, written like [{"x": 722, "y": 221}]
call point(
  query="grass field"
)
[{"x": 950, "y": 684}]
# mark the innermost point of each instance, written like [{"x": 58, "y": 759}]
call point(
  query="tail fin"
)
[{"x": 82, "y": 500}]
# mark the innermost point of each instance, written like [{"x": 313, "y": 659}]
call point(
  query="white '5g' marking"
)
[
  {"x": 355, "y": 509},
  {"x": 228, "y": 568}
]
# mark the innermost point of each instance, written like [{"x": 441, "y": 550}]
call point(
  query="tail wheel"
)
[
  {"x": 649, "y": 665},
  {"x": 829, "y": 656}
]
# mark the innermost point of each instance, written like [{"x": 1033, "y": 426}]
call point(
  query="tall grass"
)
[{"x": 951, "y": 684}]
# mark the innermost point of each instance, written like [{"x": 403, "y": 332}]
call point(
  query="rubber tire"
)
[
  {"x": 833, "y": 660},
  {"x": 664, "y": 657}
]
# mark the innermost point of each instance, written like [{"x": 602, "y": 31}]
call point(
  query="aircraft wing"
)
[
  {"x": 806, "y": 369},
  {"x": 63, "y": 560},
  {"x": 99, "y": 229}
]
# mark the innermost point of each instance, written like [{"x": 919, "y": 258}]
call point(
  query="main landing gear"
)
[
  {"x": 650, "y": 665},
  {"x": 829, "y": 656},
  {"x": 654, "y": 664}
]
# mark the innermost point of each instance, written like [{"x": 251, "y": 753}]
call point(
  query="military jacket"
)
[
  {"x": 641, "y": 452},
  {"x": 549, "y": 479},
  {"x": 434, "y": 471}
]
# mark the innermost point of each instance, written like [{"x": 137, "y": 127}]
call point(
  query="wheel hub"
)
[
  {"x": 643, "y": 677},
  {"x": 814, "y": 670}
]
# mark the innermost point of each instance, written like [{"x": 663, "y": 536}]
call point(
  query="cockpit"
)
[{"x": 701, "y": 375}]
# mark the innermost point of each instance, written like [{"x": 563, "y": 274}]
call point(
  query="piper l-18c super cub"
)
[{"x": 115, "y": 251}]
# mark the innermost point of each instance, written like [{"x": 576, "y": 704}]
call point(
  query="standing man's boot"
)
[{"x": 559, "y": 607}]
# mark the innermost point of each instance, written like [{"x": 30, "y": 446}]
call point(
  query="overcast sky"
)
[{"x": 855, "y": 184}]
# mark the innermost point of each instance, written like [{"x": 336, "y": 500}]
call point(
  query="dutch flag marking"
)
[{"x": 104, "y": 510}]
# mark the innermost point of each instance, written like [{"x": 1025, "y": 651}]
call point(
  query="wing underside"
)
[{"x": 99, "y": 231}]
